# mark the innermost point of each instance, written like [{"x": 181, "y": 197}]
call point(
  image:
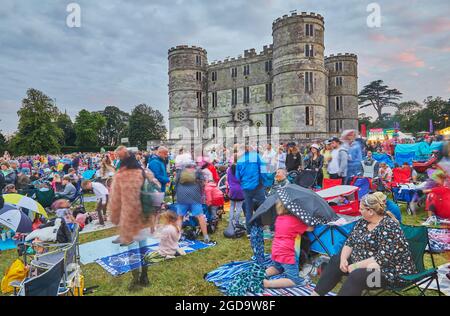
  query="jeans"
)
[
  {"x": 289, "y": 271},
  {"x": 235, "y": 211},
  {"x": 252, "y": 196},
  {"x": 354, "y": 285}
]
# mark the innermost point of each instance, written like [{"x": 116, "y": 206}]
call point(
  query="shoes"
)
[
  {"x": 116, "y": 241},
  {"x": 126, "y": 244}
]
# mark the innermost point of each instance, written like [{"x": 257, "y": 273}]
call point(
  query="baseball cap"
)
[{"x": 335, "y": 139}]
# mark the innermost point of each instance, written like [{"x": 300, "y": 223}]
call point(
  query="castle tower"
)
[
  {"x": 342, "y": 92},
  {"x": 187, "y": 92},
  {"x": 299, "y": 76}
]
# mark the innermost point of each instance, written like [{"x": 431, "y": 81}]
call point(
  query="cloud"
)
[{"x": 410, "y": 59}]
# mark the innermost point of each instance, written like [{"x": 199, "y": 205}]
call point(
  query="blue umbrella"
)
[
  {"x": 15, "y": 219},
  {"x": 88, "y": 174}
]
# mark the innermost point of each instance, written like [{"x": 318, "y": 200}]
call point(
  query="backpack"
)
[
  {"x": 234, "y": 231},
  {"x": 188, "y": 175},
  {"x": 16, "y": 272},
  {"x": 149, "y": 196}
]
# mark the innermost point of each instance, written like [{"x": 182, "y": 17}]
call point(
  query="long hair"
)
[{"x": 130, "y": 162}]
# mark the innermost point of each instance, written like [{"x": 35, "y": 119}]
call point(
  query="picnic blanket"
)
[
  {"x": 225, "y": 274},
  {"x": 128, "y": 260},
  {"x": 7, "y": 245},
  {"x": 444, "y": 281},
  {"x": 439, "y": 239}
]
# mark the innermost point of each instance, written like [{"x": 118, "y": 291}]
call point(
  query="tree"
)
[
  {"x": 365, "y": 119},
  {"x": 436, "y": 109},
  {"x": 146, "y": 124},
  {"x": 38, "y": 132},
  {"x": 65, "y": 123},
  {"x": 87, "y": 128},
  {"x": 116, "y": 126},
  {"x": 2, "y": 144},
  {"x": 379, "y": 96},
  {"x": 405, "y": 115}
]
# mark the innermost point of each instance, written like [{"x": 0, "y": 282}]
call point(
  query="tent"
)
[{"x": 418, "y": 151}]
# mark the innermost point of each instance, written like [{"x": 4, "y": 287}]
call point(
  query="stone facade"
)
[{"x": 289, "y": 85}]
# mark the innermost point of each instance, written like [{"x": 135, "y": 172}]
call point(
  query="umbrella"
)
[
  {"x": 15, "y": 219},
  {"x": 301, "y": 202},
  {"x": 25, "y": 202},
  {"x": 88, "y": 174}
]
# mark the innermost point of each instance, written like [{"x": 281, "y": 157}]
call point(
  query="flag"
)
[
  {"x": 431, "y": 126},
  {"x": 363, "y": 130}
]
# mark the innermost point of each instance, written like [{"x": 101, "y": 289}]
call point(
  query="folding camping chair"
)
[
  {"x": 306, "y": 179},
  {"x": 329, "y": 183},
  {"x": 78, "y": 198},
  {"x": 417, "y": 237},
  {"x": 45, "y": 284}
]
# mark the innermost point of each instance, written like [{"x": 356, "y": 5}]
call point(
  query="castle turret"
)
[
  {"x": 342, "y": 91},
  {"x": 187, "y": 91},
  {"x": 299, "y": 76}
]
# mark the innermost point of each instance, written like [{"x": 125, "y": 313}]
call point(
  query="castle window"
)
[
  {"x": 338, "y": 66},
  {"x": 199, "y": 99},
  {"x": 269, "y": 122},
  {"x": 268, "y": 92},
  {"x": 214, "y": 76},
  {"x": 269, "y": 65},
  {"x": 198, "y": 60},
  {"x": 198, "y": 76},
  {"x": 338, "y": 126},
  {"x": 214, "y": 99},
  {"x": 309, "y": 50},
  {"x": 240, "y": 116},
  {"x": 246, "y": 70},
  {"x": 234, "y": 97},
  {"x": 246, "y": 95},
  {"x": 339, "y": 105},
  {"x": 338, "y": 81},
  {"x": 309, "y": 116},
  {"x": 233, "y": 72},
  {"x": 309, "y": 82},
  {"x": 309, "y": 30},
  {"x": 215, "y": 128}
]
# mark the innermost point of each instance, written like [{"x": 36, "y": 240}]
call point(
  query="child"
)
[
  {"x": 101, "y": 193},
  {"x": 81, "y": 217},
  {"x": 284, "y": 259},
  {"x": 437, "y": 199},
  {"x": 214, "y": 198},
  {"x": 170, "y": 235},
  {"x": 62, "y": 210}
]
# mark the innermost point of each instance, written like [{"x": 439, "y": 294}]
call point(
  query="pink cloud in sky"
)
[
  {"x": 410, "y": 58},
  {"x": 437, "y": 25},
  {"x": 381, "y": 38}
]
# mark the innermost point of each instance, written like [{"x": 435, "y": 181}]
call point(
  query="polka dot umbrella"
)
[{"x": 304, "y": 203}]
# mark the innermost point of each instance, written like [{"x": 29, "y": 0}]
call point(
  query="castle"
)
[{"x": 290, "y": 85}]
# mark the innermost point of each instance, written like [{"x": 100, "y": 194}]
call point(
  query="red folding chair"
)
[{"x": 329, "y": 183}]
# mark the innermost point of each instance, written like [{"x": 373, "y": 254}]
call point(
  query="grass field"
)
[{"x": 181, "y": 276}]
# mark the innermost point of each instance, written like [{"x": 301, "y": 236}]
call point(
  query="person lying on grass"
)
[{"x": 284, "y": 258}]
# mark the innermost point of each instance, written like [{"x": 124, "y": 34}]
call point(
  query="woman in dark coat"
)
[
  {"x": 293, "y": 159},
  {"x": 315, "y": 162}
]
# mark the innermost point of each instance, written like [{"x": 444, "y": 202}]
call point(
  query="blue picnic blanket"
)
[
  {"x": 131, "y": 259},
  {"x": 225, "y": 274}
]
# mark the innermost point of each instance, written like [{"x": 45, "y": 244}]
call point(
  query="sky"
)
[{"x": 118, "y": 55}]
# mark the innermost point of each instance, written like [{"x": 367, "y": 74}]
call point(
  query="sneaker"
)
[
  {"x": 306, "y": 270},
  {"x": 116, "y": 241},
  {"x": 432, "y": 220}
]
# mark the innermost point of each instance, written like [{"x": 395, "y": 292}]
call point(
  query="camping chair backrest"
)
[
  {"x": 329, "y": 183},
  {"x": 417, "y": 237},
  {"x": 402, "y": 175},
  {"x": 364, "y": 186},
  {"x": 47, "y": 283},
  {"x": 401, "y": 158},
  {"x": 306, "y": 178}
]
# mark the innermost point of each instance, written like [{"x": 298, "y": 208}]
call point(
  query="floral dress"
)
[{"x": 387, "y": 244}]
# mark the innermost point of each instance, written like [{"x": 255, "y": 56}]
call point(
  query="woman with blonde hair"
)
[{"x": 375, "y": 250}]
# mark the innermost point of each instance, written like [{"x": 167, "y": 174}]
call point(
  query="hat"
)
[
  {"x": 315, "y": 146},
  {"x": 335, "y": 139},
  {"x": 348, "y": 132}
]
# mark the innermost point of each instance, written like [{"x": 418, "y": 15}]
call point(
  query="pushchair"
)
[
  {"x": 343, "y": 199},
  {"x": 306, "y": 179},
  {"x": 191, "y": 227}
]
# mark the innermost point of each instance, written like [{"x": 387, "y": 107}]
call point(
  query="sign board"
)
[
  {"x": 124, "y": 140},
  {"x": 376, "y": 134}
]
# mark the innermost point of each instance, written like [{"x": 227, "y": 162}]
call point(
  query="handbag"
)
[{"x": 150, "y": 196}]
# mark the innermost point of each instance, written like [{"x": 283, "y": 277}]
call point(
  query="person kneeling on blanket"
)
[
  {"x": 284, "y": 259},
  {"x": 376, "y": 245}
]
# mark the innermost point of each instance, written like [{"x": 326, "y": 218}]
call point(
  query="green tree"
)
[
  {"x": 436, "y": 109},
  {"x": 146, "y": 124},
  {"x": 379, "y": 96},
  {"x": 2, "y": 143},
  {"x": 87, "y": 128},
  {"x": 65, "y": 123},
  {"x": 405, "y": 115},
  {"x": 37, "y": 132},
  {"x": 363, "y": 118},
  {"x": 116, "y": 126}
]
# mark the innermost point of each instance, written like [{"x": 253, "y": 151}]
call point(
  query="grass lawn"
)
[{"x": 184, "y": 275}]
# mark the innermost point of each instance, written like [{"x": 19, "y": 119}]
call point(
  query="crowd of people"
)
[{"x": 251, "y": 173}]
